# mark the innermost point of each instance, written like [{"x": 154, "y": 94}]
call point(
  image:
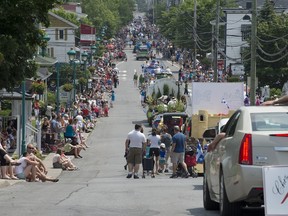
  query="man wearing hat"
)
[{"x": 178, "y": 152}]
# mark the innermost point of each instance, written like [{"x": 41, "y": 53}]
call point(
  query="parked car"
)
[{"x": 255, "y": 136}]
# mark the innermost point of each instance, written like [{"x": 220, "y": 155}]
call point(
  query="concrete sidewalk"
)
[{"x": 52, "y": 172}]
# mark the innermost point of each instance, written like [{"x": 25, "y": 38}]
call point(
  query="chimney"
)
[{"x": 248, "y": 5}]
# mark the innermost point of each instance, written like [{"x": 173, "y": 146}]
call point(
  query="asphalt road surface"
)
[{"x": 100, "y": 187}]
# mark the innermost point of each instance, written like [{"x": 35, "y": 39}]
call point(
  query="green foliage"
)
[
  {"x": 91, "y": 69},
  {"x": 158, "y": 93},
  {"x": 166, "y": 89},
  {"x": 234, "y": 79},
  {"x": 161, "y": 108},
  {"x": 20, "y": 37},
  {"x": 271, "y": 62},
  {"x": 149, "y": 100},
  {"x": 111, "y": 13},
  {"x": 172, "y": 93},
  {"x": 67, "y": 87},
  {"x": 51, "y": 98},
  {"x": 6, "y": 105},
  {"x": 71, "y": 17},
  {"x": 38, "y": 87},
  {"x": 153, "y": 93},
  {"x": 82, "y": 81},
  {"x": 178, "y": 107},
  {"x": 275, "y": 93},
  {"x": 5, "y": 113}
]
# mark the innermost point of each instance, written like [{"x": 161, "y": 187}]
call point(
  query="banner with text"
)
[
  {"x": 87, "y": 34},
  {"x": 275, "y": 190}
]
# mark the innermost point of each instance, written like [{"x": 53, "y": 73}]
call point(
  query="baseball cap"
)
[{"x": 162, "y": 145}]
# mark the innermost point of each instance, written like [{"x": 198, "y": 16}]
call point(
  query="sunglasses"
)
[{"x": 30, "y": 148}]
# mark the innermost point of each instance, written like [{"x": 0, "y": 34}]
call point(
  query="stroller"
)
[
  {"x": 147, "y": 163},
  {"x": 190, "y": 160}
]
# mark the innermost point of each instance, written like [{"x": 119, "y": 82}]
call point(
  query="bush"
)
[
  {"x": 234, "y": 79},
  {"x": 51, "y": 98},
  {"x": 165, "y": 89},
  {"x": 38, "y": 87},
  {"x": 82, "y": 81},
  {"x": 67, "y": 87},
  {"x": 158, "y": 94}
]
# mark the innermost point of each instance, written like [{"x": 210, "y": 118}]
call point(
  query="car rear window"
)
[{"x": 269, "y": 121}]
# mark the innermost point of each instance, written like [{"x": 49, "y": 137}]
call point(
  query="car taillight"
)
[
  {"x": 279, "y": 135},
  {"x": 245, "y": 154}
]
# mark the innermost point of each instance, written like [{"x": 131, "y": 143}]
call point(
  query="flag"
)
[
  {"x": 200, "y": 154},
  {"x": 225, "y": 102},
  {"x": 87, "y": 34}
]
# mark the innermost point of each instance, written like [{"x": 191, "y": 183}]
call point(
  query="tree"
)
[
  {"x": 20, "y": 37},
  {"x": 272, "y": 55},
  {"x": 111, "y": 13}
]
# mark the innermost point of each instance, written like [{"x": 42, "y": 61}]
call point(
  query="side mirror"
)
[{"x": 209, "y": 134}]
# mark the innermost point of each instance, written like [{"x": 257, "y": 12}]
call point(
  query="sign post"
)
[{"x": 275, "y": 183}]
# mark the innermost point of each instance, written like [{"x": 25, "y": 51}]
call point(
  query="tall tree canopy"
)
[
  {"x": 111, "y": 13},
  {"x": 272, "y": 44},
  {"x": 20, "y": 37}
]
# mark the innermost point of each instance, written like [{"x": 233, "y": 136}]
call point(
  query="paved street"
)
[{"x": 100, "y": 186}]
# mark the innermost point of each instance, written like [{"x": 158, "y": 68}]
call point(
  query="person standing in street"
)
[
  {"x": 136, "y": 142},
  {"x": 178, "y": 152}
]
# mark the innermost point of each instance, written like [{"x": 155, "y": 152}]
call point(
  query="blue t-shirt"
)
[
  {"x": 179, "y": 139},
  {"x": 162, "y": 153}
]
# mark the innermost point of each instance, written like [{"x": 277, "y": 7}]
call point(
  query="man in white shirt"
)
[{"x": 135, "y": 142}]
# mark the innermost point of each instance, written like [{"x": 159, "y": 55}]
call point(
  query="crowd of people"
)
[{"x": 62, "y": 130}]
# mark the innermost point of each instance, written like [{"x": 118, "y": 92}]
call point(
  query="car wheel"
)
[
  {"x": 226, "y": 207},
  {"x": 208, "y": 203}
]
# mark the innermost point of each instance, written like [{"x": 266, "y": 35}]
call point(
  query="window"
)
[
  {"x": 61, "y": 34},
  {"x": 230, "y": 127},
  {"x": 246, "y": 32},
  {"x": 269, "y": 121}
]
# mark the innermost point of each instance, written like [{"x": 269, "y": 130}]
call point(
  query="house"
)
[
  {"x": 238, "y": 29},
  {"x": 62, "y": 37}
]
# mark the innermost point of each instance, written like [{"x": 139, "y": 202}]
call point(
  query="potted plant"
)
[
  {"x": 38, "y": 87},
  {"x": 67, "y": 87}
]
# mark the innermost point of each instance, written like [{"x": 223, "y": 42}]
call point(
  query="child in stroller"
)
[{"x": 190, "y": 160}]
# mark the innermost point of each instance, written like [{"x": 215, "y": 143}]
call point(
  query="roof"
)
[
  {"x": 45, "y": 61},
  {"x": 260, "y": 3},
  {"x": 13, "y": 95},
  {"x": 43, "y": 73},
  {"x": 63, "y": 20}
]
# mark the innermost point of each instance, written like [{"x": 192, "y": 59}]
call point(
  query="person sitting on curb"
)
[
  {"x": 27, "y": 168},
  {"x": 75, "y": 150},
  {"x": 41, "y": 170},
  {"x": 60, "y": 160},
  {"x": 32, "y": 156},
  {"x": 6, "y": 160}
]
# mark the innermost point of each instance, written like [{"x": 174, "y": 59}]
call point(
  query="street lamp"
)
[
  {"x": 72, "y": 55},
  {"x": 84, "y": 57},
  {"x": 93, "y": 50}
]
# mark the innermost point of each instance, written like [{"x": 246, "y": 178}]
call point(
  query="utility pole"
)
[
  {"x": 253, "y": 53},
  {"x": 195, "y": 39},
  {"x": 216, "y": 38}
]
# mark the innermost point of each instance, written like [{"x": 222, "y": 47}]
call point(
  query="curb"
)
[{"x": 52, "y": 172}]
